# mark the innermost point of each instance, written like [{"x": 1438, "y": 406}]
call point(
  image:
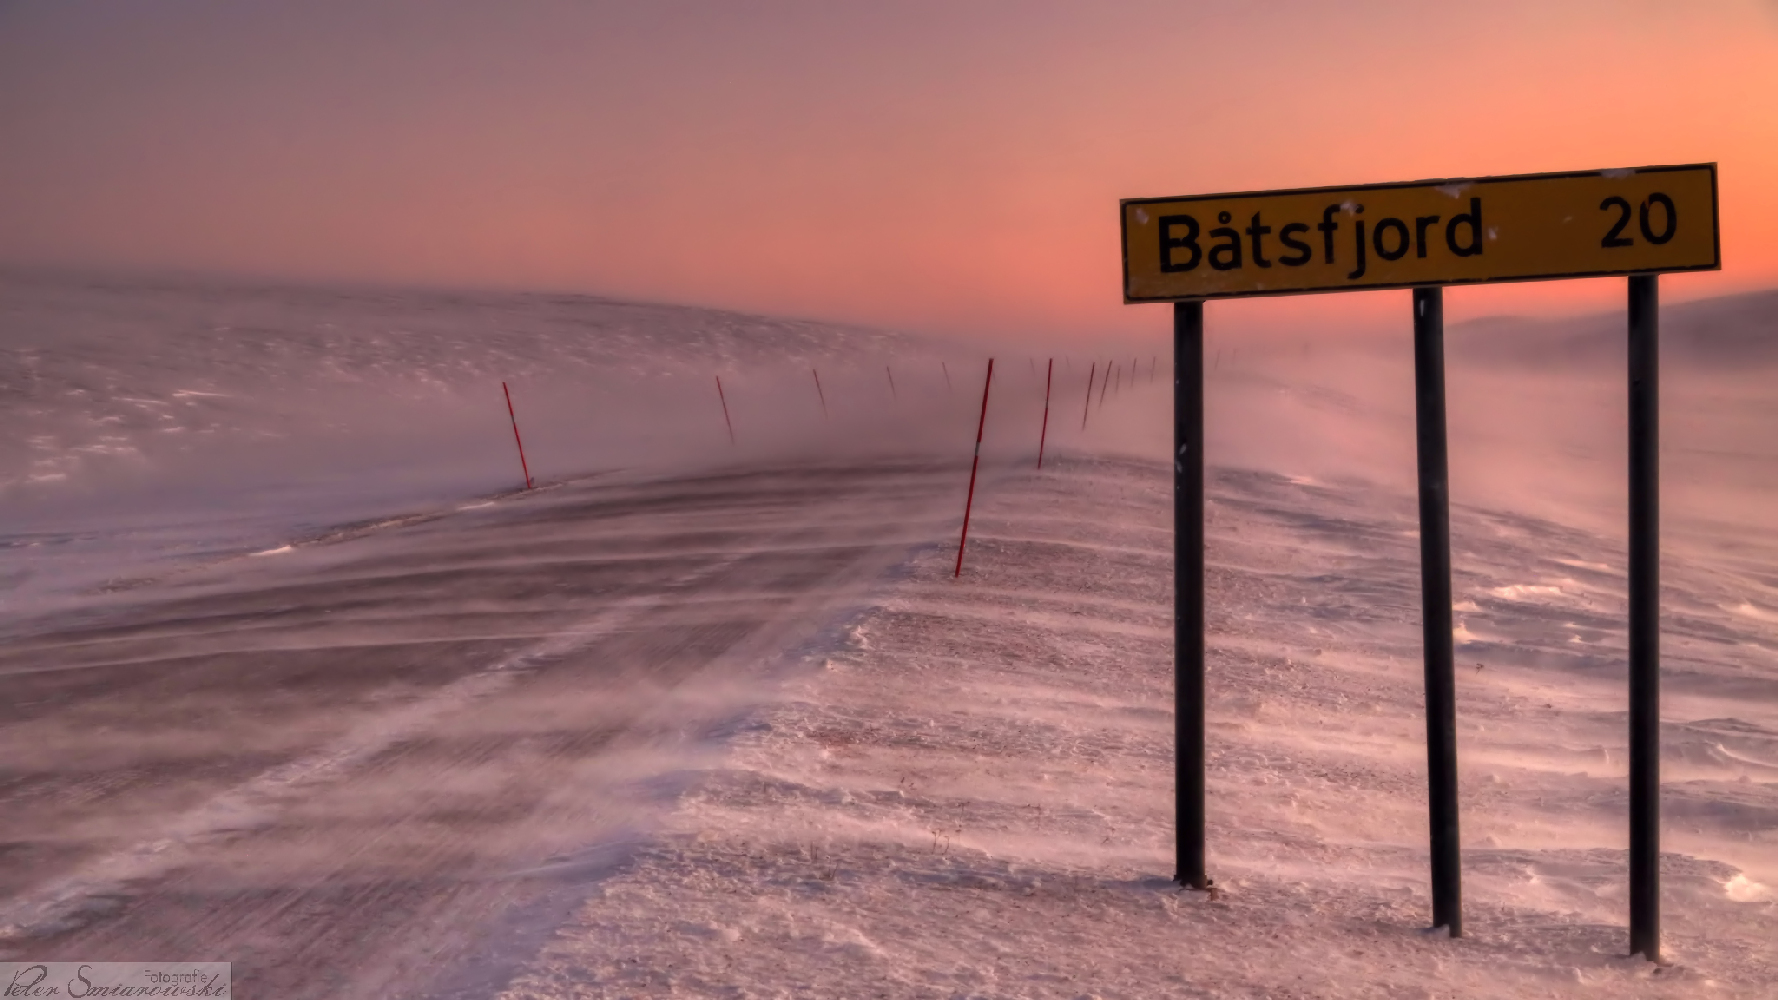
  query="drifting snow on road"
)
[
  {"x": 712, "y": 719},
  {"x": 337, "y": 766},
  {"x": 969, "y": 793}
]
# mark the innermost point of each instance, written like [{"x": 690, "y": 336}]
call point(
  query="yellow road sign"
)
[{"x": 1520, "y": 228}]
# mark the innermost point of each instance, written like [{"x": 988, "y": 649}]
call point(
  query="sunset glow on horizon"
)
[{"x": 949, "y": 168}]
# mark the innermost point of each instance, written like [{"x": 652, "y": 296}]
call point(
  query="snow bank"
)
[{"x": 969, "y": 792}]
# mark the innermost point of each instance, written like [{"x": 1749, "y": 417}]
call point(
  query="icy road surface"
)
[
  {"x": 289, "y": 684},
  {"x": 332, "y": 763},
  {"x": 969, "y": 793},
  {"x": 740, "y": 734}
]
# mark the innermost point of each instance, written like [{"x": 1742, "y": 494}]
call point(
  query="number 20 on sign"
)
[{"x": 1518, "y": 228}]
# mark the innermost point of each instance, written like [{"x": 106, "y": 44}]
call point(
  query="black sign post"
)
[
  {"x": 1435, "y": 607},
  {"x": 1188, "y": 594},
  {"x": 1645, "y": 618}
]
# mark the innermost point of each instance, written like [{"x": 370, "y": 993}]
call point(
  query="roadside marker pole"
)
[
  {"x": 1435, "y": 607},
  {"x": 1104, "y": 384},
  {"x": 973, "y": 465},
  {"x": 1094, "y": 370},
  {"x": 1645, "y": 618},
  {"x": 725, "y": 419},
  {"x": 1049, "y": 377},
  {"x": 892, "y": 393},
  {"x": 1189, "y": 765},
  {"x": 819, "y": 394},
  {"x": 947, "y": 372},
  {"x": 515, "y": 434}
]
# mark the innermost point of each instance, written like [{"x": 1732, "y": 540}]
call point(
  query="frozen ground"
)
[
  {"x": 328, "y": 763},
  {"x": 297, "y": 680},
  {"x": 969, "y": 794},
  {"x": 153, "y": 425}
]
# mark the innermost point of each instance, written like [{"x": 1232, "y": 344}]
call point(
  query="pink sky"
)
[{"x": 942, "y": 166}]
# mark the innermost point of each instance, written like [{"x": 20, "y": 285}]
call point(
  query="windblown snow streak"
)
[
  {"x": 969, "y": 794},
  {"x": 152, "y": 426},
  {"x": 299, "y": 677},
  {"x": 330, "y": 767}
]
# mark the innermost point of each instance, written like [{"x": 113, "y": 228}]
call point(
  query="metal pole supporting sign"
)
[
  {"x": 1645, "y": 619},
  {"x": 1188, "y": 593},
  {"x": 1424, "y": 235},
  {"x": 1435, "y": 607}
]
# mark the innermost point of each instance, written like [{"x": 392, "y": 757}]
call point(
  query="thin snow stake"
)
[
  {"x": 969, "y": 502},
  {"x": 725, "y": 419},
  {"x": 1089, "y": 407},
  {"x": 515, "y": 435},
  {"x": 1049, "y": 376},
  {"x": 819, "y": 394}
]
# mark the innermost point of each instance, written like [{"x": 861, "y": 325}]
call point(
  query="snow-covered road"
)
[
  {"x": 741, "y": 734},
  {"x": 289, "y": 684},
  {"x": 334, "y": 762},
  {"x": 967, "y": 792}
]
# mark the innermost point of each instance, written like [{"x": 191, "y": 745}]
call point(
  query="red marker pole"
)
[
  {"x": 970, "y": 502},
  {"x": 515, "y": 434},
  {"x": 892, "y": 393},
  {"x": 1089, "y": 407},
  {"x": 1043, "y": 435},
  {"x": 819, "y": 393},
  {"x": 725, "y": 419}
]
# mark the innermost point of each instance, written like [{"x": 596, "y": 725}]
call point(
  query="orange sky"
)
[{"x": 940, "y": 166}]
